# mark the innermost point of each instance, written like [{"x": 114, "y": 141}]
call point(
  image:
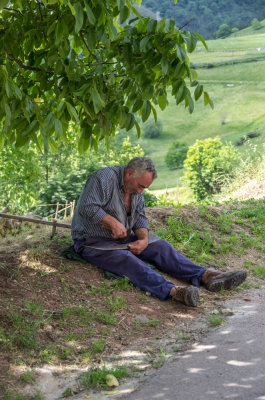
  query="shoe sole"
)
[
  {"x": 228, "y": 282},
  {"x": 192, "y": 296}
]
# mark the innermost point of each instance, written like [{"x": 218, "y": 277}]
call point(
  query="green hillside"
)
[
  {"x": 205, "y": 16},
  {"x": 237, "y": 90}
]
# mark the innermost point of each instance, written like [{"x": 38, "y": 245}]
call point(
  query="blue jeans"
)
[{"x": 161, "y": 254}]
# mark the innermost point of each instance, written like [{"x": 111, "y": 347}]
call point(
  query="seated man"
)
[{"x": 110, "y": 230}]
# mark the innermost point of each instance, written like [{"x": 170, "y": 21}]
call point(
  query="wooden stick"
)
[{"x": 36, "y": 221}]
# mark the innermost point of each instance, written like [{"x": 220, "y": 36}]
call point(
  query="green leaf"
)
[
  {"x": 136, "y": 11},
  {"x": 3, "y": 4},
  {"x": 72, "y": 111},
  {"x": 190, "y": 103},
  {"x": 146, "y": 110},
  {"x": 98, "y": 102},
  {"x": 162, "y": 101},
  {"x": 198, "y": 92},
  {"x": 138, "y": 129},
  {"x": 191, "y": 42},
  {"x": 129, "y": 122},
  {"x": 121, "y": 4},
  {"x": 145, "y": 44},
  {"x": 154, "y": 112},
  {"x": 18, "y": 93},
  {"x": 58, "y": 127},
  {"x": 202, "y": 40},
  {"x": 9, "y": 89},
  {"x": 124, "y": 14},
  {"x": 137, "y": 105},
  {"x": 181, "y": 53},
  {"x": 207, "y": 100},
  {"x": 181, "y": 94},
  {"x": 90, "y": 14},
  {"x": 151, "y": 26},
  {"x": 79, "y": 16},
  {"x": 59, "y": 32},
  {"x": 164, "y": 66},
  {"x": 8, "y": 111}
]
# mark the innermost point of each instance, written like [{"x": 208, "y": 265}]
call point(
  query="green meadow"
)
[{"x": 237, "y": 90}]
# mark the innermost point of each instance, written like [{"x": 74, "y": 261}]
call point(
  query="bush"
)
[
  {"x": 208, "y": 165},
  {"x": 176, "y": 155},
  {"x": 256, "y": 24},
  {"x": 223, "y": 31},
  {"x": 152, "y": 129}
]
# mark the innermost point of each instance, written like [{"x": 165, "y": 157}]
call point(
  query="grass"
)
[
  {"x": 215, "y": 318},
  {"x": 217, "y": 233},
  {"x": 96, "y": 377}
]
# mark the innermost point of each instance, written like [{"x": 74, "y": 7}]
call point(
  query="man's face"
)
[{"x": 136, "y": 184}]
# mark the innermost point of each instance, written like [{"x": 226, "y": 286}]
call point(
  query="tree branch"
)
[
  {"x": 85, "y": 43},
  {"x": 13, "y": 10},
  {"x": 187, "y": 23},
  {"x": 20, "y": 63}
]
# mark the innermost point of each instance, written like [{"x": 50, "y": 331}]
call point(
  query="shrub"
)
[
  {"x": 208, "y": 165},
  {"x": 256, "y": 24},
  {"x": 223, "y": 31},
  {"x": 152, "y": 129},
  {"x": 176, "y": 155}
]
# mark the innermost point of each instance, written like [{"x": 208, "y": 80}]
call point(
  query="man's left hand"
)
[{"x": 138, "y": 246}]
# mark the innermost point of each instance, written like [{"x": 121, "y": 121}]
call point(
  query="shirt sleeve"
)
[
  {"x": 141, "y": 221},
  {"x": 95, "y": 196}
]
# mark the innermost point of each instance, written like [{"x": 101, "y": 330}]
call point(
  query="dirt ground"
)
[{"x": 77, "y": 316}]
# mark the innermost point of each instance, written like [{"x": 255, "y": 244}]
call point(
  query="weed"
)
[
  {"x": 215, "y": 318},
  {"x": 38, "y": 396},
  {"x": 158, "y": 362},
  {"x": 98, "y": 346},
  {"x": 96, "y": 377},
  {"x": 244, "y": 285},
  {"x": 257, "y": 286},
  {"x": 71, "y": 337},
  {"x": 116, "y": 303},
  {"x": 68, "y": 392},
  {"x": 10, "y": 395},
  {"x": 47, "y": 355},
  {"x": 83, "y": 314},
  {"x": 65, "y": 268},
  {"x": 106, "y": 318},
  {"x": 122, "y": 284},
  {"x": 27, "y": 376},
  {"x": 175, "y": 348},
  {"x": 247, "y": 264},
  {"x": 259, "y": 271}
]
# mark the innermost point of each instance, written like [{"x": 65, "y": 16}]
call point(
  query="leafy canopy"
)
[{"x": 89, "y": 63}]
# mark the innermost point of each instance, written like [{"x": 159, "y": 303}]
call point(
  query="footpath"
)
[{"x": 228, "y": 363}]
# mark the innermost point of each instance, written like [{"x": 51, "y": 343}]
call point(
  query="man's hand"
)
[
  {"x": 138, "y": 246},
  {"x": 118, "y": 230}
]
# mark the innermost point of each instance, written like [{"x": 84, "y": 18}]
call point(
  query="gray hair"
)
[{"x": 141, "y": 165}]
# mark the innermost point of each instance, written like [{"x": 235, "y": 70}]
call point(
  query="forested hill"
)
[{"x": 209, "y": 15}]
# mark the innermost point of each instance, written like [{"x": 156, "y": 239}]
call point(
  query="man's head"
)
[{"x": 139, "y": 174}]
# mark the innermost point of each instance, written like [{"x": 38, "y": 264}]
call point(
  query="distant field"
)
[{"x": 238, "y": 94}]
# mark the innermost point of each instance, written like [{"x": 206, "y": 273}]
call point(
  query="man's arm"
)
[
  {"x": 118, "y": 230},
  {"x": 141, "y": 243}
]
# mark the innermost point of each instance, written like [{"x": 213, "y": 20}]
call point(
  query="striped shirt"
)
[{"x": 103, "y": 195}]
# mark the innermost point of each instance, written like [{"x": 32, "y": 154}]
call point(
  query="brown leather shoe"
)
[
  {"x": 188, "y": 295},
  {"x": 214, "y": 280}
]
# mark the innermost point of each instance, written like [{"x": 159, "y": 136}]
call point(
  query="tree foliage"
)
[
  {"x": 88, "y": 63},
  {"x": 176, "y": 155},
  {"x": 208, "y": 165}
]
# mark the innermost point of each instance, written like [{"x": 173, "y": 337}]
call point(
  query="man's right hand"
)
[{"x": 118, "y": 230}]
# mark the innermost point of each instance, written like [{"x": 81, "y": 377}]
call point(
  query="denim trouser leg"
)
[{"x": 160, "y": 253}]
